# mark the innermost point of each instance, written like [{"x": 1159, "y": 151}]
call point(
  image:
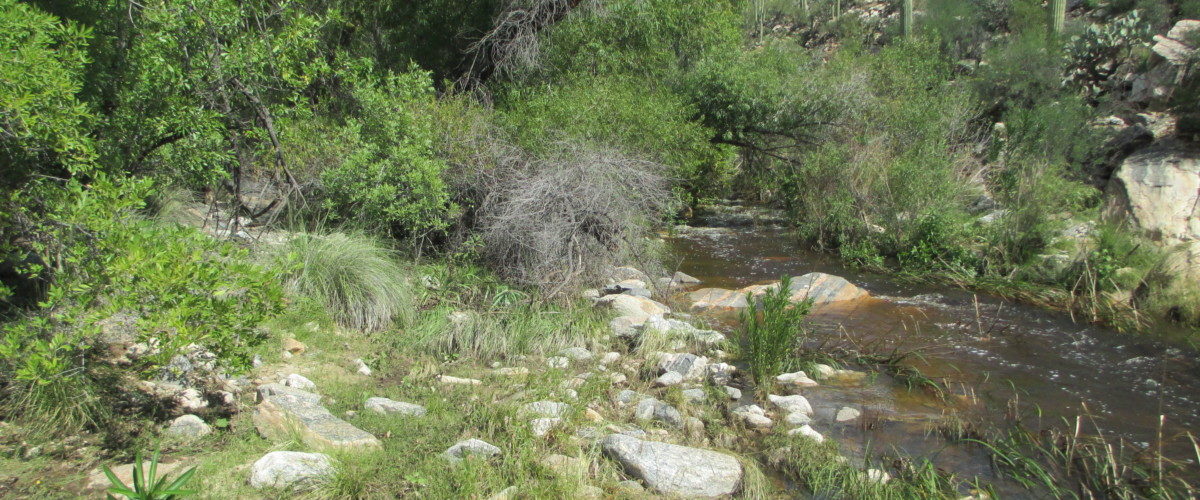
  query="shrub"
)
[
  {"x": 561, "y": 220},
  {"x": 772, "y": 330},
  {"x": 101, "y": 260},
  {"x": 356, "y": 279},
  {"x": 391, "y": 178},
  {"x": 1095, "y": 55}
]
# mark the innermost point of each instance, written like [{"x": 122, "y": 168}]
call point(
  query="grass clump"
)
[
  {"x": 357, "y": 279},
  {"x": 772, "y": 330}
]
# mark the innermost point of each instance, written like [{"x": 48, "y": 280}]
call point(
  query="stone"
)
[
  {"x": 293, "y": 346},
  {"x": 684, "y": 278},
  {"x": 191, "y": 400},
  {"x": 631, "y": 487},
  {"x": 290, "y": 470},
  {"x": 609, "y": 358},
  {"x": 653, "y": 409},
  {"x": 617, "y": 378},
  {"x": 798, "y": 379},
  {"x": 721, "y": 373},
  {"x": 794, "y": 403},
  {"x": 668, "y": 379},
  {"x": 797, "y": 418},
  {"x": 1175, "y": 46},
  {"x": 689, "y": 366},
  {"x": 624, "y": 327},
  {"x": 592, "y": 415},
  {"x": 878, "y": 476},
  {"x": 559, "y": 362},
  {"x": 470, "y": 448},
  {"x": 753, "y": 416},
  {"x": 627, "y": 273},
  {"x": 637, "y": 309},
  {"x": 717, "y": 300},
  {"x": 511, "y": 371},
  {"x": 298, "y": 381},
  {"x": 820, "y": 288},
  {"x": 545, "y": 409},
  {"x": 385, "y": 406},
  {"x": 846, "y": 414},
  {"x": 694, "y": 395},
  {"x": 627, "y": 396},
  {"x": 733, "y": 392},
  {"x": 189, "y": 427},
  {"x": 675, "y": 470},
  {"x": 283, "y": 414},
  {"x": 563, "y": 465},
  {"x": 1157, "y": 189},
  {"x": 576, "y": 353},
  {"x": 362, "y": 368},
  {"x": 809, "y": 432},
  {"x": 542, "y": 426},
  {"x": 447, "y": 379}
]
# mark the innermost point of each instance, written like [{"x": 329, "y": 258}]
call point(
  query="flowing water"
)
[{"x": 995, "y": 350}]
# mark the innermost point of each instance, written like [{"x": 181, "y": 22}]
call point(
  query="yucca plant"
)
[{"x": 145, "y": 487}]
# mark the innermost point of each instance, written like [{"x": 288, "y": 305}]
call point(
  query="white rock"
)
[
  {"x": 691, "y": 366},
  {"x": 799, "y": 379},
  {"x": 363, "y": 369},
  {"x": 511, "y": 371},
  {"x": 290, "y": 470},
  {"x": 385, "y": 406},
  {"x": 733, "y": 392},
  {"x": 446, "y": 379},
  {"x": 190, "y": 400},
  {"x": 576, "y": 353},
  {"x": 794, "y": 403},
  {"x": 189, "y": 427},
  {"x": 721, "y": 373},
  {"x": 694, "y": 395},
  {"x": 808, "y": 432},
  {"x": 470, "y": 447},
  {"x": 676, "y": 470},
  {"x": 847, "y": 414},
  {"x": 559, "y": 362},
  {"x": 610, "y": 357},
  {"x": 546, "y": 408},
  {"x": 823, "y": 371},
  {"x": 797, "y": 418},
  {"x": 669, "y": 379},
  {"x": 298, "y": 381},
  {"x": 542, "y": 426},
  {"x": 878, "y": 476}
]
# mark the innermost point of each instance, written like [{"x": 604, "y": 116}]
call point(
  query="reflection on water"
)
[{"x": 999, "y": 348}]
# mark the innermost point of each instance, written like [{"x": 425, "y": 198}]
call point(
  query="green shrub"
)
[
  {"x": 102, "y": 260},
  {"x": 1095, "y": 55},
  {"x": 355, "y": 278},
  {"x": 147, "y": 485},
  {"x": 772, "y": 330},
  {"x": 391, "y": 179}
]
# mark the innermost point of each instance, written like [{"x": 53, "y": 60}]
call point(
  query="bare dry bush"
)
[
  {"x": 513, "y": 42},
  {"x": 561, "y": 221}
]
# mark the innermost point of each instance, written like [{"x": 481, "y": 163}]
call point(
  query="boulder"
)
[
  {"x": 687, "y": 365},
  {"x": 846, "y": 414},
  {"x": 668, "y": 379},
  {"x": 293, "y": 346},
  {"x": 1157, "y": 189},
  {"x": 637, "y": 309},
  {"x": 807, "y": 432},
  {"x": 753, "y": 416},
  {"x": 361, "y": 368},
  {"x": 684, "y": 278},
  {"x": 717, "y": 300},
  {"x": 189, "y": 427},
  {"x": 290, "y": 470},
  {"x": 298, "y": 381},
  {"x": 820, "y": 288},
  {"x": 675, "y": 470},
  {"x": 798, "y": 379},
  {"x": 282, "y": 414},
  {"x": 794, "y": 403},
  {"x": 385, "y": 406}
]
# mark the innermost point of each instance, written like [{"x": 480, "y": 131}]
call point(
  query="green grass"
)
[
  {"x": 771, "y": 331},
  {"x": 356, "y": 278}
]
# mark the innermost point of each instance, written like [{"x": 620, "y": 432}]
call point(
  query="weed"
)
[{"x": 772, "y": 330}]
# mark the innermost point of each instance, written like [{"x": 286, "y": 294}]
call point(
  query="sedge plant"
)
[
  {"x": 772, "y": 329},
  {"x": 145, "y": 486}
]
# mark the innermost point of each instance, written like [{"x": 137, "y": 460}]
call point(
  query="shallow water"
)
[{"x": 993, "y": 348}]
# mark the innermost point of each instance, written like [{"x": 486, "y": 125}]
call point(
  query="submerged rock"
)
[{"x": 675, "y": 470}]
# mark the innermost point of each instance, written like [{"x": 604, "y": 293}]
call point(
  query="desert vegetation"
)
[{"x": 398, "y": 199}]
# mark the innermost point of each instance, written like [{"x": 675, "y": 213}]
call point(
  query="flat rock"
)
[
  {"x": 282, "y": 415},
  {"x": 717, "y": 300},
  {"x": 637, "y": 309},
  {"x": 298, "y": 381},
  {"x": 798, "y": 379},
  {"x": 846, "y": 414},
  {"x": 820, "y": 288},
  {"x": 385, "y": 406},
  {"x": 675, "y": 470},
  {"x": 668, "y": 379},
  {"x": 290, "y": 470}
]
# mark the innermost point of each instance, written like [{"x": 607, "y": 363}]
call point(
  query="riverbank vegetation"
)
[{"x": 188, "y": 179}]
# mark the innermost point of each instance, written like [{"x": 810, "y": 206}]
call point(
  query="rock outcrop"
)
[{"x": 1157, "y": 189}]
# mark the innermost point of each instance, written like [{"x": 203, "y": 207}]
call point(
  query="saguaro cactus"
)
[
  {"x": 1058, "y": 16},
  {"x": 906, "y": 18}
]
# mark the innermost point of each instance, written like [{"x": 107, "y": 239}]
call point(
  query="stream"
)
[{"x": 994, "y": 351}]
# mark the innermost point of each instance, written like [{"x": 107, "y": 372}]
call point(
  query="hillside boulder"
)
[{"x": 1157, "y": 190}]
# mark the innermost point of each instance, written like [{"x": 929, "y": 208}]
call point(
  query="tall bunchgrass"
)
[
  {"x": 772, "y": 330},
  {"x": 358, "y": 280}
]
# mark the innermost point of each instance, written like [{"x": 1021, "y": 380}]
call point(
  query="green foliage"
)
[
  {"x": 391, "y": 178},
  {"x": 42, "y": 129},
  {"x": 638, "y": 117},
  {"x": 178, "y": 286},
  {"x": 772, "y": 330},
  {"x": 1095, "y": 55},
  {"x": 355, "y": 278},
  {"x": 146, "y": 485}
]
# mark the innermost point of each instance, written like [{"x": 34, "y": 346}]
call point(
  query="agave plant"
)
[{"x": 145, "y": 487}]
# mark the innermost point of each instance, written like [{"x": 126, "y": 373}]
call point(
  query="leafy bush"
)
[
  {"x": 391, "y": 179},
  {"x": 772, "y": 329},
  {"x": 354, "y": 277},
  {"x": 43, "y": 124},
  {"x": 1095, "y": 55},
  {"x": 101, "y": 260}
]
